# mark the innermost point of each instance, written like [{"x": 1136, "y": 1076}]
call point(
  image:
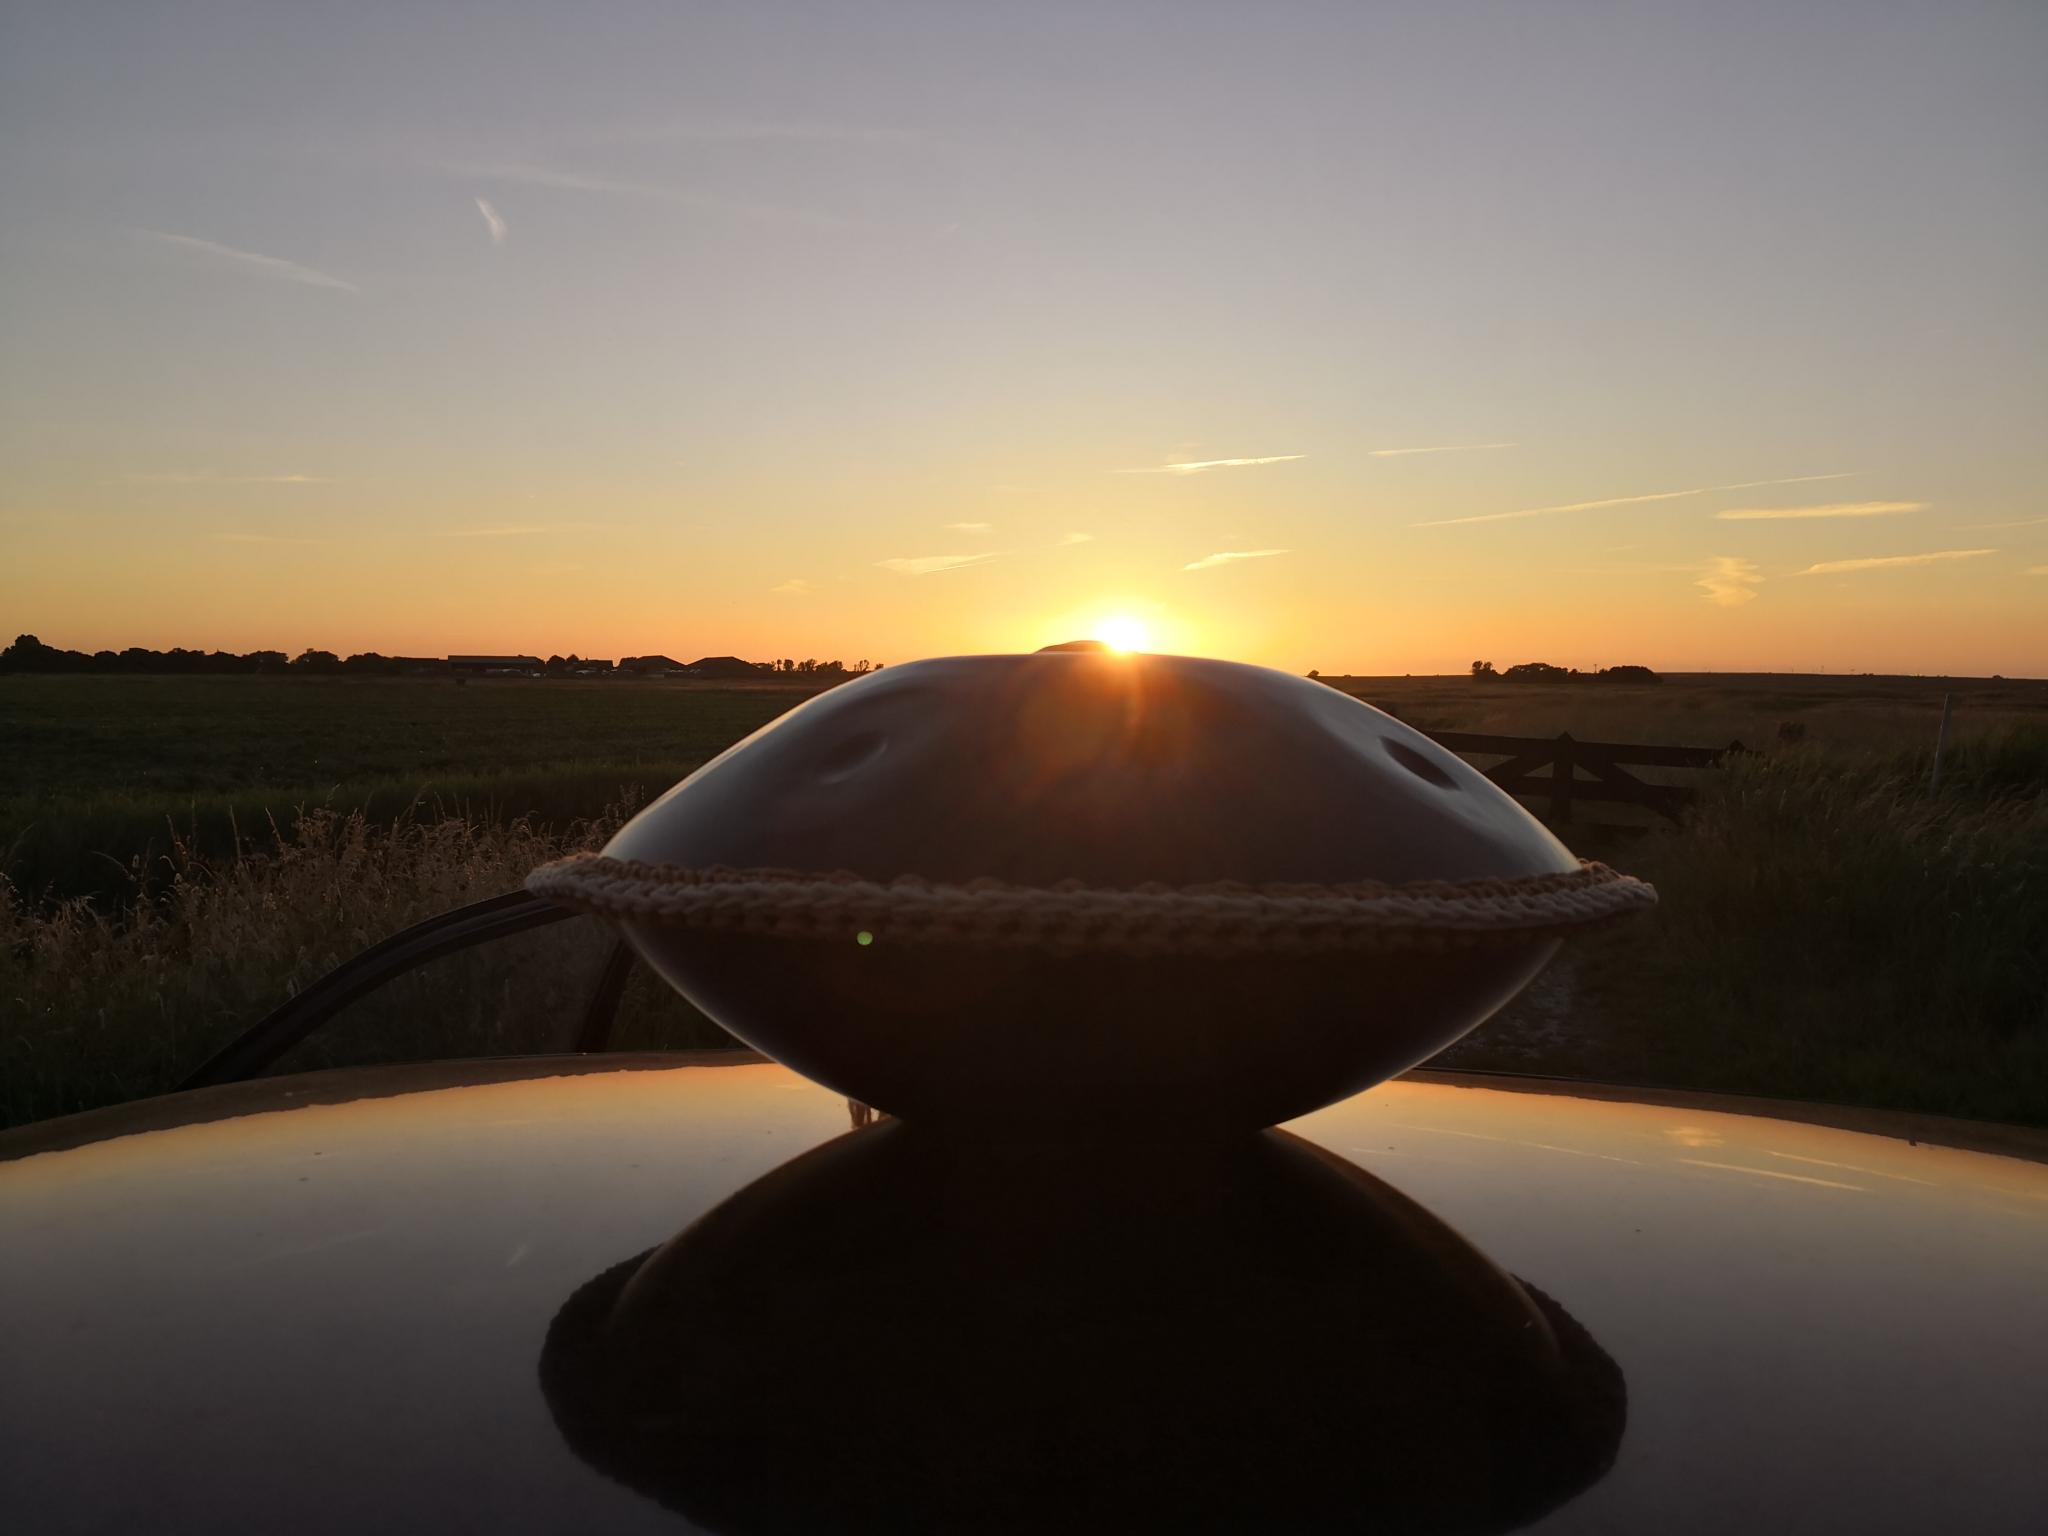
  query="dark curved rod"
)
[
  {"x": 260, "y": 1045},
  {"x": 595, "y": 1032}
]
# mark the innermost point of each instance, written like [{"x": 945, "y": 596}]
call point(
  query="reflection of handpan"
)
[
  {"x": 903, "y": 1332},
  {"x": 1095, "y": 888}
]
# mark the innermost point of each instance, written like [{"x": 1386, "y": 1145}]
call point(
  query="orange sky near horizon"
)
[{"x": 1388, "y": 598}]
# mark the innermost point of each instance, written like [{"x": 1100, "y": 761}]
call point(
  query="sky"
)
[{"x": 1366, "y": 338}]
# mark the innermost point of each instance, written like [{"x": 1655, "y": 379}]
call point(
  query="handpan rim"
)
[{"x": 1215, "y": 918}]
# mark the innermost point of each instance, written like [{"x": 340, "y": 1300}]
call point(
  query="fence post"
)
[
  {"x": 1563, "y": 770},
  {"x": 1940, "y": 744}
]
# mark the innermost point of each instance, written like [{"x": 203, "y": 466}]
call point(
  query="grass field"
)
[
  {"x": 185, "y": 852},
  {"x": 1845, "y": 714},
  {"x": 101, "y": 771}
]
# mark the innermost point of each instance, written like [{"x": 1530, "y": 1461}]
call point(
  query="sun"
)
[{"x": 1121, "y": 632}]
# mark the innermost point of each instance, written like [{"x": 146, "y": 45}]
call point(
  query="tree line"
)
[
  {"x": 29, "y": 654},
  {"x": 1545, "y": 672}
]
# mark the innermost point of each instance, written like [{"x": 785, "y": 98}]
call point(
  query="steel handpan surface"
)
[
  {"x": 1065, "y": 771},
  {"x": 1111, "y": 770}
]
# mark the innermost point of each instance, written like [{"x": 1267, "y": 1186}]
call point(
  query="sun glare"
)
[{"x": 1121, "y": 632}]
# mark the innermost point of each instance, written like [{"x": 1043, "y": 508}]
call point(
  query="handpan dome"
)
[
  {"x": 1189, "y": 889},
  {"x": 1108, "y": 769}
]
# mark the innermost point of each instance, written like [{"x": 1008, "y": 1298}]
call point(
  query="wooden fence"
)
[{"x": 1605, "y": 762}]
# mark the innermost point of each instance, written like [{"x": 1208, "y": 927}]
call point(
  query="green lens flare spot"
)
[{"x": 863, "y": 938}]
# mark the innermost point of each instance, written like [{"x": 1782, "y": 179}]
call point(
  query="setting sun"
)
[{"x": 1121, "y": 632}]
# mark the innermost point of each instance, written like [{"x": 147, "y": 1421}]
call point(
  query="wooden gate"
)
[{"x": 1606, "y": 762}]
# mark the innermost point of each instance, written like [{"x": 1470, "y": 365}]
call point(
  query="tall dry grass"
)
[
  {"x": 100, "y": 1006},
  {"x": 1834, "y": 929},
  {"x": 1830, "y": 928}
]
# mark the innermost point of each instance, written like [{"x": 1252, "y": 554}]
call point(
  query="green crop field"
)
[
  {"x": 184, "y": 852},
  {"x": 103, "y": 770},
  {"x": 205, "y": 736}
]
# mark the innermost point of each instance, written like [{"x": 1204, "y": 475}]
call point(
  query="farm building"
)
[
  {"x": 723, "y": 666},
  {"x": 652, "y": 666},
  {"x": 495, "y": 666}
]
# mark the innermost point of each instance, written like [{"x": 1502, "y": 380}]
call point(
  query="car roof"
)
[{"x": 332, "y": 1293}]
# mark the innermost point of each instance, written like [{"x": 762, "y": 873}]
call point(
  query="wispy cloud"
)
[
  {"x": 970, "y": 527},
  {"x": 2035, "y": 570},
  {"x": 1831, "y": 509},
  {"x": 189, "y": 479},
  {"x": 1203, "y": 466},
  {"x": 1402, "y": 453},
  {"x": 1225, "y": 557},
  {"x": 565, "y": 181},
  {"x": 494, "y": 221},
  {"x": 262, "y": 538},
  {"x": 1729, "y": 582},
  {"x": 930, "y": 565},
  {"x": 740, "y": 133},
  {"x": 250, "y": 261},
  {"x": 796, "y": 586},
  {"x": 513, "y": 530},
  {"x": 1627, "y": 501},
  {"x": 1884, "y": 562},
  {"x": 1077, "y": 538},
  {"x": 2023, "y": 522},
  {"x": 577, "y": 181}
]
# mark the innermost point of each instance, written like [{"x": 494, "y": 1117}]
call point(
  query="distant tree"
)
[
  {"x": 1628, "y": 674},
  {"x": 1536, "y": 672},
  {"x": 28, "y": 654},
  {"x": 312, "y": 661},
  {"x": 266, "y": 661},
  {"x": 1483, "y": 669}
]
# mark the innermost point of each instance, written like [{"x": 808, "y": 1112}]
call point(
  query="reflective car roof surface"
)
[{"x": 326, "y": 1301}]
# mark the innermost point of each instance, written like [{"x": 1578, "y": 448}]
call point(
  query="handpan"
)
[{"x": 1091, "y": 891}]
